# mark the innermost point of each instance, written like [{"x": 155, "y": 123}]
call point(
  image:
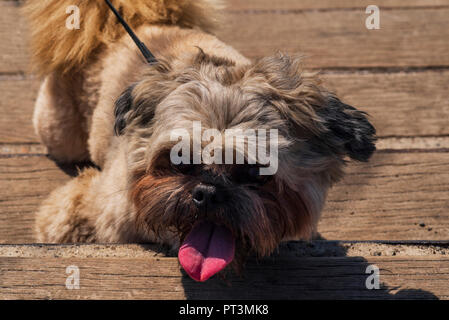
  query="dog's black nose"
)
[{"x": 206, "y": 195}]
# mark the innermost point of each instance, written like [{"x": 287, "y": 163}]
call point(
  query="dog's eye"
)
[
  {"x": 254, "y": 173},
  {"x": 187, "y": 169},
  {"x": 250, "y": 174}
]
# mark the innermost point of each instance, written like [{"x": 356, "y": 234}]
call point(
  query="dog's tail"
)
[{"x": 58, "y": 44}]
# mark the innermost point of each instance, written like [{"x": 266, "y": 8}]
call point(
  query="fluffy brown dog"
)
[{"x": 101, "y": 101}]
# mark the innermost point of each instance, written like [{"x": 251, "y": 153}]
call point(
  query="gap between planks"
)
[
  {"x": 329, "y": 70},
  {"x": 316, "y": 248}
]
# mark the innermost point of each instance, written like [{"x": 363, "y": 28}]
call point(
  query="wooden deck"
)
[{"x": 398, "y": 74}]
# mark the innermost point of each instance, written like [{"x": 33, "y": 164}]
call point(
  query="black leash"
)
[{"x": 142, "y": 47}]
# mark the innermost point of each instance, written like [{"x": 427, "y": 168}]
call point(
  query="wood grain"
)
[
  {"x": 330, "y": 38},
  {"x": 339, "y": 39},
  {"x": 14, "y": 54},
  {"x": 400, "y": 104},
  {"x": 16, "y": 107},
  {"x": 24, "y": 183},
  {"x": 283, "y": 276},
  {"x": 396, "y": 196}
]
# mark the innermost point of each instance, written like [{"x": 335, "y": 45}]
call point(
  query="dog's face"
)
[{"x": 222, "y": 212}]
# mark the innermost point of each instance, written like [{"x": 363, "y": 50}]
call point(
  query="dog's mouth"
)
[{"x": 206, "y": 250}]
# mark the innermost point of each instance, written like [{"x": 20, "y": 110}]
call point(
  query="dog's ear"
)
[
  {"x": 122, "y": 107},
  {"x": 137, "y": 104},
  {"x": 318, "y": 116},
  {"x": 348, "y": 129}
]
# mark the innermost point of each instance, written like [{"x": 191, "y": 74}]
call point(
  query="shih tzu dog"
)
[{"x": 100, "y": 100}]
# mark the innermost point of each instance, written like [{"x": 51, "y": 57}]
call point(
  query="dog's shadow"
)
[{"x": 301, "y": 270}]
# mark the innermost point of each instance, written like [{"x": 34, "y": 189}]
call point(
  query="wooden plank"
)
[
  {"x": 331, "y": 38},
  {"x": 320, "y": 271},
  {"x": 396, "y": 196},
  {"x": 329, "y": 4},
  {"x": 24, "y": 183},
  {"x": 14, "y": 54},
  {"x": 16, "y": 106},
  {"x": 400, "y": 104},
  {"x": 339, "y": 39}
]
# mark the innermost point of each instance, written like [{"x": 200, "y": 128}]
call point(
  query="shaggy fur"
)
[
  {"x": 116, "y": 110},
  {"x": 57, "y": 48}
]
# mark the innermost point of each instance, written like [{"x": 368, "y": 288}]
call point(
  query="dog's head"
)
[{"x": 221, "y": 211}]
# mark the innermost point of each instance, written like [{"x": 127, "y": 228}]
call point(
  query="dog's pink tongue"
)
[{"x": 207, "y": 249}]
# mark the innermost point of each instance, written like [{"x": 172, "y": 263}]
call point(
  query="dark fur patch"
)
[
  {"x": 122, "y": 106},
  {"x": 349, "y": 130}
]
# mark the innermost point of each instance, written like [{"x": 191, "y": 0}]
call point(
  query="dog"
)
[{"x": 100, "y": 101}]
